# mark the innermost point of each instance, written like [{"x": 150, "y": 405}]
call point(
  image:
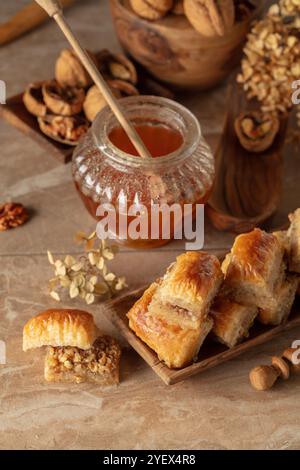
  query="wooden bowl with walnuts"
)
[{"x": 188, "y": 44}]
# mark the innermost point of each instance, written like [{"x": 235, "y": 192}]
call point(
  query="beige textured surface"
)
[{"x": 217, "y": 410}]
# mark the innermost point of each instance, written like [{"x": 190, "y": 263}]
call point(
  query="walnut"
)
[
  {"x": 12, "y": 215},
  {"x": 65, "y": 101},
  {"x": 151, "y": 9},
  {"x": 256, "y": 131},
  {"x": 95, "y": 102},
  {"x": 123, "y": 88},
  {"x": 64, "y": 129},
  {"x": 210, "y": 17},
  {"x": 116, "y": 66},
  {"x": 69, "y": 71},
  {"x": 33, "y": 99}
]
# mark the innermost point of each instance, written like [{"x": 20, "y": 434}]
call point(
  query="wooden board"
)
[
  {"x": 17, "y": 115},
  {"x": 247, "y": 188},
  {"x": 211, "y": 354},
  {"x": 174, "y": 52}
]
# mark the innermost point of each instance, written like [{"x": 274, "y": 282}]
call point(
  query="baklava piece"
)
[
  {"x": 60, "y": 327},
  {"x": 232, "y": 321},
  {"x": 284, "y": 298},
  {"x": 76, "y": 352},
  {"x": 65, "y": 101},
  {"x": 172, "y": 315},
  {"x": 175, "y": 345},
  {"x": 252, "y": 268},
  {"x": 187, "y": 290}
]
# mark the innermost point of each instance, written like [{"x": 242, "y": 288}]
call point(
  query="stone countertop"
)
[{"x": 216, "y": 410}]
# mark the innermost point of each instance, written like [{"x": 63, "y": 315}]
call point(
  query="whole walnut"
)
[
  {"x": 151, "y": 9},
  {"x": 70, "y": 72},
  {"x": 95, "y": 101},
  {"x": 210, "y": 17}
]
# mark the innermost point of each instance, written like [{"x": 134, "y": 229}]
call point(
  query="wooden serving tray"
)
[
  {"x": 211, "y": 353},
  {"x": 17, "y": 115},
  {"x": 248, "y": 186}
]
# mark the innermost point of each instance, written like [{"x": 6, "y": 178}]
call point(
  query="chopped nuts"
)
[
  {"x": 102, "y": 358},
  {"x": 33, "y": 99},
  {"x": 12, "y": 215},
  {"x": 272, "y": 58}
]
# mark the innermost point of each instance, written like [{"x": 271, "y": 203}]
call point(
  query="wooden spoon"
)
[{"x": 247, "y": 186}]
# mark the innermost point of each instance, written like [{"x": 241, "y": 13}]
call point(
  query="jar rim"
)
[{"x": 163, "y": 109}]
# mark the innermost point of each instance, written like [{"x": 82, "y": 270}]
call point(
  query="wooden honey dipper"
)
[
  {"x": 54, "y": 10},
  {"x": 264, "y": 377}
]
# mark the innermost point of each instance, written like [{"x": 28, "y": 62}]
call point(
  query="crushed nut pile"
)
[
  {"x": 12, "y": 215},
  {"x": 102, "y": 358},
  {"x": 272, "y": 57}
]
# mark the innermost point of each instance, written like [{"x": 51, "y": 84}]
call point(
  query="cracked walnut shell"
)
[
  {"x": 12, "y": 215},
  {"x": 116, "y": 66},
  {"x": 65, "y": 101},
  {"x": 64, "y": 129},
  {"x": 69, "y": 71},
  {"x": 33, "y": 99},
  {"x": 123, "y": 88},
  {"x": 256, "y": 131},
  {"x": 210, "y": 17},
  {"x": 151, "y": 9}
]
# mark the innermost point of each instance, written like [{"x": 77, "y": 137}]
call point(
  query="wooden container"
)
[
  {"x": 211, "y": 354},
  {"x": 174, "y": 52}
]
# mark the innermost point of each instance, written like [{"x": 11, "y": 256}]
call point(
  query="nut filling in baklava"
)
[{"x": 98, "y": 364}]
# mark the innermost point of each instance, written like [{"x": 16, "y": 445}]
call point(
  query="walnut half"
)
[
  {"x": 33, "y": 99},
  {"x": 64, "y": 101},
  {"x": 12, "y": 215},
  {"x": 210, "y": 17},
  {"x": 69, "y": 71},
  {"x": 256, "y": 131},
  {"x": 116, "y": 66},
  {"x": 64, "y": 129}
]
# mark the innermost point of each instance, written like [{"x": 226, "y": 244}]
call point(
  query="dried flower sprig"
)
[{"x": 87, "y": 276}]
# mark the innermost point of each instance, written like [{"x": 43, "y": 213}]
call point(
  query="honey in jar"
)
[{"x": 107, "y": 169}]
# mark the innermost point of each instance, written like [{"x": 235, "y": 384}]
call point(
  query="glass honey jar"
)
[{"x": 108, "y": 171}]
